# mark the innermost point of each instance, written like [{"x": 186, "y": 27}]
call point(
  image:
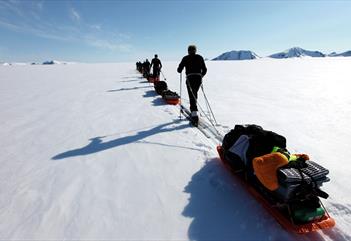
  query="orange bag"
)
[{"x": 266, "y": 167}]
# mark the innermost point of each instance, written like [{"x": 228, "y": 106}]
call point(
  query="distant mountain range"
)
[
  {"x": 344, "y": 54},
  {"x": 48, "y": 62},
  {"x": 237, "y": 55},
  {"x": 52, "y": 62},
  {"x": 294, "y": 52}
]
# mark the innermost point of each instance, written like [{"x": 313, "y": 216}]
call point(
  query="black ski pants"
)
[
  {"x": 156, "y": 71},
  {"x": 193, "y": 83}
]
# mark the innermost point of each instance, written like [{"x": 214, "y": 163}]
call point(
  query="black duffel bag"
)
[
  {"x": 160, "y": 87},
  {"x": 260, "y": 142}
]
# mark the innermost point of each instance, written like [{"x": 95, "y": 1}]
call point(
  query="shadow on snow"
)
[
  {"x": 144, "y": 82},
  {"x": 97, "y": 144},
  {"x": 133, "y": 88},
  {"x": 158, "y": 102},
  {"x": 131, "y": 78},
  {"x": 150, "y": 93}
]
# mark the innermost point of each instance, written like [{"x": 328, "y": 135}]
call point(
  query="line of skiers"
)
[
  {"x": 146, "y": 66},
  {"x": 195, "y": 70},
  {"x": 160, "y": 86},
  {"x": 290, "y": 183}
]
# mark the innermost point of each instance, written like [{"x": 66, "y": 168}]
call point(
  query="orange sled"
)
[
  {"x": 172, "y": 98},
  {"x": 322, "y": 223},
  {"x": 174, "y": 101}
]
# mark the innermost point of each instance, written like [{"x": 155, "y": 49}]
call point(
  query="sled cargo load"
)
[
  {"x": 160, "y": 87},
  {"x": 171, "y": 97},
  {"x": 287, "y": 185}
]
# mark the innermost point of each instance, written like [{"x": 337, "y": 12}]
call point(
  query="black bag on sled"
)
[
  {"x": 160, "y": 87},
  {"x": 168, "y": 94},
  {"x": 259, "y": 142}
]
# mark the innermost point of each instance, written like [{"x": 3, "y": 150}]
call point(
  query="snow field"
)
[{"x": 90, "y": 152}]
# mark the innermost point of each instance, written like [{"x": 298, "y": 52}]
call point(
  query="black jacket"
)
[
  {"x": 194, "y": 64},
  {"x": 156, "y": 63}
]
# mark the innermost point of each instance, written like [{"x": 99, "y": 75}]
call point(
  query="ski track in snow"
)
[{"x": 89, "y": 151}]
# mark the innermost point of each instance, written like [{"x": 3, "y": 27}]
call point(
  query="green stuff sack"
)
[{"x": 304, "y": 215}]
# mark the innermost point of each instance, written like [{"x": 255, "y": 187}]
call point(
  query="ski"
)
[
  {"x": 324, "y": 222},
  {"x": 209, "y": 126},
  {"x": 186, "y": 113},
  {"x": 204, "y": 125}
]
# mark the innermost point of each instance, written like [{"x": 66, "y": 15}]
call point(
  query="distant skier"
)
[
  {"x": 195, "y": 70},
  {"x": 146, "y": 68},
  {"x": 157, "y": 65},
  {"x": 139, "y": 66}
]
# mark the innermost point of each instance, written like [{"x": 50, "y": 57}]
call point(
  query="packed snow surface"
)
[
  {"x": 237, "y": 55},
  {"x": 90, "y": 152},
  {"x": 296, "y": 52}
]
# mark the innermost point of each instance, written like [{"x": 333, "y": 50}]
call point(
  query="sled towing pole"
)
[
  {"x": 163, "y": 75},
  {"x": 208, "y": 105},
  {"x": 180, "y": 93},
  {"x": 210, "y": 115}
]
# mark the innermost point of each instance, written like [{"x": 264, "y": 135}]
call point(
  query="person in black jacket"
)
[
  {"x": 146, "y": 68},
  {"x": 195, "y": 70},
  {"x": 157, "y": 65}
]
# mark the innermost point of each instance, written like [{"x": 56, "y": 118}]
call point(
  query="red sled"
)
[
  {"x": 173, "y": 101},
  {"x": 172, "y": 98},
  {"x": 287, "y": 223},
  {"x": 153, "y": 79}
]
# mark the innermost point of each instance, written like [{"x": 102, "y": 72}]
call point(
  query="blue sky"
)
[{"x": 117, "y": 30}]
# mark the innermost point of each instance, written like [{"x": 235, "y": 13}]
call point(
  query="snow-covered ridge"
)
[
  {"x": 47, "y": 62},
  {"x": 344, "y": 54},
  {"x": 8, "y": 64},
  {"x": 237, "y": 55},
  {"x": 296, "y": 52}
]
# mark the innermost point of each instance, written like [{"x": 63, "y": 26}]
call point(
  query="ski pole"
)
[{"x": 163, "y": 75}]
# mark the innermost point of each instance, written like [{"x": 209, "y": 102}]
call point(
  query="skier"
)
[
  {"x": 157, "y": 65},
  {"x": 195, "y": 70},
  {"x": 139, "y": 66},
  {"x": 146, "y": 67}
]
